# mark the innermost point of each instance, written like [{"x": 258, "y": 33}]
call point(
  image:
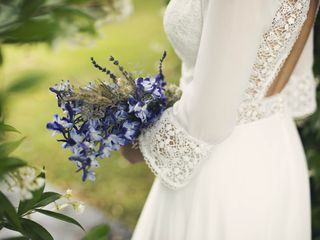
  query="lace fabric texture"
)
[
  {"x": 275, "y": 47},
  {"x": 169, "y": 150},
  {"x": 300, "y": 95}
]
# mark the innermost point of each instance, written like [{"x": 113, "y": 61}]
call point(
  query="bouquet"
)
[{"x": 103, "y": 115}]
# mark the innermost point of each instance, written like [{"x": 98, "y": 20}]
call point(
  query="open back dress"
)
[{"x": 228, "y": 160}]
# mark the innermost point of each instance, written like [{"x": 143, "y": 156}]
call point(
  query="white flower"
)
[
  {"x": 67, "y": 200},
  {"x": 78, "y": 207},
  {"x": 68, "y": 193},
  {"x": 25, "y": 194},
  {"x": 59, "y": 207},
  {"x": 25, "y": 180}
]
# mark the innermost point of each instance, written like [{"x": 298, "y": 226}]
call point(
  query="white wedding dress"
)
[{"x": 228, "y": 161}]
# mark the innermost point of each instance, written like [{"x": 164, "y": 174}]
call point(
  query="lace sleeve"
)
[{"x": 170, "y": 152}]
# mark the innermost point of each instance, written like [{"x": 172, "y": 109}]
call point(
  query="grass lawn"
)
[{"x": 120, "y": 189}]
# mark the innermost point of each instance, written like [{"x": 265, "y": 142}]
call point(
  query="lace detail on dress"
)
[
  {"x": 170, "y": 152},
  {"x": 183, "y": 25},
  {"x": 253, "y": 111},
  {"x": 276, "y": 45},
  {"x": 300, "y": 95}
]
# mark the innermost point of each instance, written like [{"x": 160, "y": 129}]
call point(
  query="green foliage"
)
[
  {"x": 99, "y": 232},
  {"x": 34, "y": 230},
  {"x": 27, "y": 21},
  {"x": 47, "y": 198},
  {"x": 15, "y": 219},
  {"x": 8, "y": 214},
  {"x": 8, "y": 164},
  {"x": 30, "y": 204},
  {"x": 8, "y": 147},
  {"x": 30, "y": 21},
  {"x": 25, "y": 82},
  {"x": 7, "y": 128},
  {"x": 59, "y": 216}
]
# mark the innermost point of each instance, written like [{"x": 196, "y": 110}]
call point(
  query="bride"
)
[{"x": 227, "y": 156}]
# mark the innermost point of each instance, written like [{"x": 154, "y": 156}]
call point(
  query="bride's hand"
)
[{"x": 131, "y": 154}]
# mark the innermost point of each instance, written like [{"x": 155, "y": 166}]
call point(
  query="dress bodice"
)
[
  {"x": 183, "y": 22},
  {"x": 183, "y": 26}
]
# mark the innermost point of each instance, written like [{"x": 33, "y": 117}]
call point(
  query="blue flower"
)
[
  {"x": 140, "y": 109},
  {"x": 132, "y": 129},
  {"x": 59, "y": 125},
  {"x": 158, "y": 92},
  {"x": 93, "y": 161},
  {"x": 148, "y": 84},
  {"x": 94, "y": 132},
  {"x": 109, "y": 118},
  {"x": 61, "y": 87},
  {"x": 121, "y": 114},
  {"x": 91, "y": 176},
  {"x": 79, "y": 153},
  {"x": 104, "y": 151},
  {"x": 70, "y": 112},
  {"x": 76, "y": 136},
  {"x": 88, "y": 175},
  {"x": 114, "y": 142}
]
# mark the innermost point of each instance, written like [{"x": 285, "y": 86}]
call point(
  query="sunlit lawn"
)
[{"x": 120, "y": 189}]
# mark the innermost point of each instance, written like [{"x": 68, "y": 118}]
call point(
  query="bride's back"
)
[{"x": 290, "y": 63}]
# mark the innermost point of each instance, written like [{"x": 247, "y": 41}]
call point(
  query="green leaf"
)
[
  {"x": 7, "y": 128},
  {"x": 47, "y": 198},
  {"x": 99, "y": 232},
  {"x": 42, "y": 29},
  {"x": 9, "y": 212},
  {"x": 9, "y": 15},
  {"x": 72, "y": 11},
  {"x": 60, "y": 216},
  {"x": 79, "y": 18},
  {"x": 26, "y": 82},
  {"x": 34, "y": 230},
  {"x": 9, "y": 147},
  {"x": 8, "y": 164},
  {"x": 29, "y": 7},
  {"x": 26, "y": 205}
]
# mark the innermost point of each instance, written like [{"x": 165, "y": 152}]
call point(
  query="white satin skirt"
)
[{"x": 254, "y": 186}]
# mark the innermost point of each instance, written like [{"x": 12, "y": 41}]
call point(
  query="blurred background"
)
[{"x": 45, "y": 41}]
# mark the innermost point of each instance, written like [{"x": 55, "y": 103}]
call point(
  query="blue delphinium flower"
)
[
  {"x": 114, "y": 142},
  {"x": 132, "y": 129},
  {"x": 59, "y": 125},
  {"x": 140, "y": 109},
  {"x": 95, "y": 133},
  {"x": 147, "y": 84}
]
